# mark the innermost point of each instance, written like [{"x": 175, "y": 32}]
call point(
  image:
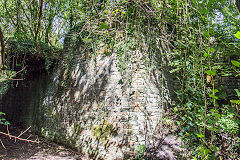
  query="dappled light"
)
[{"x": 120, "y": 79}]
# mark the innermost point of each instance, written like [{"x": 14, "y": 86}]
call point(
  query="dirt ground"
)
[{"x": 11, "y": 149}]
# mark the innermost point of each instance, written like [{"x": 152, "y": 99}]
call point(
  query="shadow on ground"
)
[{"x": 45, "y": 150}]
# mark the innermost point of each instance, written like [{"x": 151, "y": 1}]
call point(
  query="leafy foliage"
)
[
  {"x": 201, "y": 60},
  {"x": 3, "y": 121},
  {"x": 197, "y": 40}
]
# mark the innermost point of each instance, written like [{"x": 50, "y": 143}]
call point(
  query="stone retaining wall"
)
[{"x": 105, "y": 112}]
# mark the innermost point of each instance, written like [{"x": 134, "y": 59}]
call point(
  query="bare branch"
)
[
  {"x": 2, "y": 144},
  {"x": 21, "y": 139},
  {"x": 24, "y": 132},
  {"x": 17, "y": 73}
]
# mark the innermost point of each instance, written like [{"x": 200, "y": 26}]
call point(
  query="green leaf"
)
[
  {"x": 200, "y": 135},
  {"x": 206, "y": 54},
  {"x": 174, "y": 70},
  {"x": 104, "y": 26},
  {"x": 238, "y": 92},
  {"x": 227, "y": 10},
  {"x": 120, "y": 81},
  {"x": 226, "y": 74},
  {"x": 211, "y": 73},
  {"x": 178, "y": 123},
  {"x": 235, "y": 101},
  {"x": 235, "y": 63},
  {"x": 237, "y": 35},
  {"x": 215, "y": 91},
  {"x": 214, "y": 148},
  {"x": 205, "y": 151},
  {"x": 87, "y": 40},
  {"x": 1, "y": 113},
  {"x": 213, "y": 96},
  {"x": 211, "y": 49},
  {"x": 237, "y": 75},
  {"x": 6, "y": 123}
]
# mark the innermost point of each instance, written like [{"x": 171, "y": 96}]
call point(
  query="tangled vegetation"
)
[{"x": 197, "y": 40}]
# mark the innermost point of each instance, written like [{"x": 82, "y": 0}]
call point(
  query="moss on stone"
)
[{"x": 103, "y": 131}]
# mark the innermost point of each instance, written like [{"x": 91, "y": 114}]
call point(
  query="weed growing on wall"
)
[{"x": 3, "y": 121}]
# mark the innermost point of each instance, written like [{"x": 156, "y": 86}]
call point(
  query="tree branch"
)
[{"x": 21, "y": 139}]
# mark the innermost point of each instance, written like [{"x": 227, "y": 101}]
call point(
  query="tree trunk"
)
[
  {"x": 39, "y": 24},
  {"x": 18, "y": 17},
  {"x": 71, "y": 14},
  {"x": 49, "y": 26},
  {"x": 2, "y": 50}
]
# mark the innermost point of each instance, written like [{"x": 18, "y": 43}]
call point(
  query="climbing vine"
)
[
  {"x": 206, "y": 117},
  {"x": 196, "y": 42}
]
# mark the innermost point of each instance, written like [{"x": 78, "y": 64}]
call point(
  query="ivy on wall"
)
[{"x": 197, "y": 41}]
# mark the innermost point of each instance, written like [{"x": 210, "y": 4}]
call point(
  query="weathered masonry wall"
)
[
  {"x": 104, "y": 112},
  {"x": 100, "y": 108},
  {"x": 22, "y": 101}
]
